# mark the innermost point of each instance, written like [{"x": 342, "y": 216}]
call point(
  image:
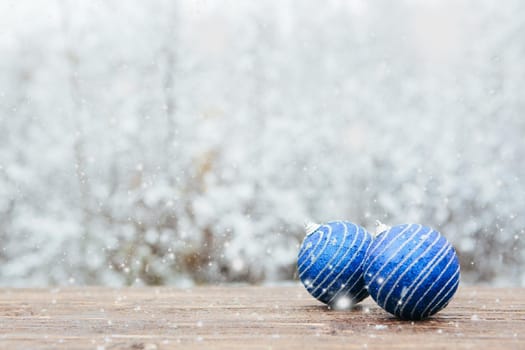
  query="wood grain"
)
[{"x": 247, "y": 318}]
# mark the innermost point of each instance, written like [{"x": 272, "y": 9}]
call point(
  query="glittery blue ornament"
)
[
  {"x": 330, "y": 263},
  {"x": 411, "y": 271}
]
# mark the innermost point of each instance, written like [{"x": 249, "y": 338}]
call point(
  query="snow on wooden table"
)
[{"x": 247, "y": 318}]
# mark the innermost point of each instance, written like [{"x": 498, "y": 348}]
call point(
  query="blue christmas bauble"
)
[
  {"x": 330, "y": 262},
  {"x": 411, "y": 271}
]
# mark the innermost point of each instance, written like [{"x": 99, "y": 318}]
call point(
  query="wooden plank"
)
[{"x": 247, "y": 318}]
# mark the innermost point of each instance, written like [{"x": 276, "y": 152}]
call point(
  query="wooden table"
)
[{"x": 247, "y": 318}]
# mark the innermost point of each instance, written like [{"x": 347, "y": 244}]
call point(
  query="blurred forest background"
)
[{"x": 186, "y": 142}]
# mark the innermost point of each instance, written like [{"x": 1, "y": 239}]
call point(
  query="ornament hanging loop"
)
[{"x": 380, "y": 227}]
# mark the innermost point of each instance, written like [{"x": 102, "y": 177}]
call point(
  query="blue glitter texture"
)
[
  {"x": 330, "y": 262},
  {"x": 411, "y": 271}
]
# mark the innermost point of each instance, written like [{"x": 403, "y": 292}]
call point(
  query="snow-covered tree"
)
[{"x": 173, "y": 142}]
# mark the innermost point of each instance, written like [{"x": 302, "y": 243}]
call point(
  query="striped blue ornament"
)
[
  {"x": 411, "y": 271},
  {"x": 330, "y": 262}
]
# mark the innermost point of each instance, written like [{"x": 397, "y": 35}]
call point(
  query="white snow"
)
[
  {"x": 151, "y": 144},
  {"x": 380, "y": 326},
  {"x": 343, "y": 303}
]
